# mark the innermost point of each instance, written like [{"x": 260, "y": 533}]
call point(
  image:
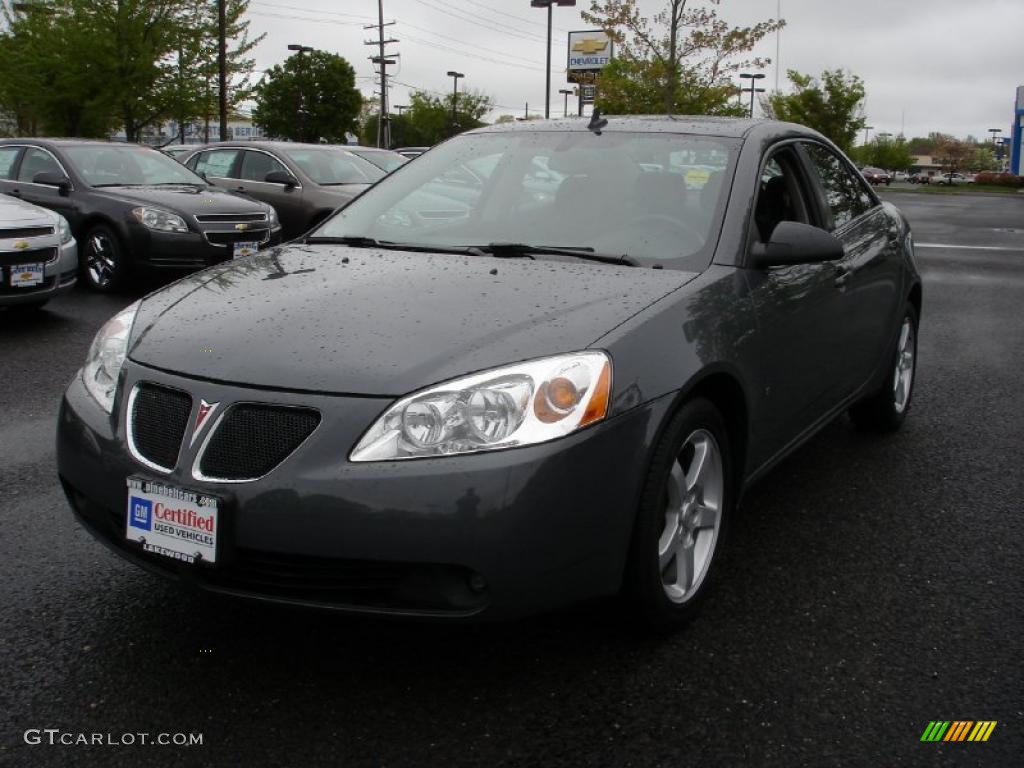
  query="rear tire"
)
[
  {"x": 104, "y": 260},
  {"x": 886, "y": 409},
  {"x": 684, "y": 510}
]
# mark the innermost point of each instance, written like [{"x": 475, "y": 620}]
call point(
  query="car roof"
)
[
  {"x": 699, "y": 125},
  {"x": 61, "y": 142}
]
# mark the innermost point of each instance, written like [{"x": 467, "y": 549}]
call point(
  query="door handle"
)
[
  {"x": 239, "y": 189},
  {"x": 15, "y": 193}
]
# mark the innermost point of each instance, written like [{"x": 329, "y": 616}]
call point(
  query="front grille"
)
[
  {"x": 247, "y": 236},
  {"x": 26, "y": 232},
  {"x": 28, "y": 256},
  {"x": 251, "y": 439},
  {"x": 158, "y": 419},
  {"x": 359, "y": 583},
  {"x": 230, "y": 218}
]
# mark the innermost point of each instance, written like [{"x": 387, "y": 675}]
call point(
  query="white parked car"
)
[
  {"x": 951, "y": 179},
  {"x": 38, "y": 255}
]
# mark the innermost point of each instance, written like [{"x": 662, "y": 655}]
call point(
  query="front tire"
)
[
  {"x": 104, "y": 260},
  {"x": 685, "y": 506},
  {"x": 886, "y": 409}
]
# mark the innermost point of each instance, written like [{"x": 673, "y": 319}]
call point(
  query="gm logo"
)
[
  {"x": 958, "y": 730},
  {"x": 141, "y": 513}
]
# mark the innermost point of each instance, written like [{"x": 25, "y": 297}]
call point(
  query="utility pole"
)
[
  {"x": 455, "y": 99},
  {"x": 384, "y": 61},
  {"x": 222, "y": 67}
]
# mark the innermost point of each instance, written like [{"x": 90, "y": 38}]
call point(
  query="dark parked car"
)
[
  {"x": 133, "y": 206},
  {"x": 411, "y": 152},
  {"x": 544, "y": 399},
  {"x": 385, "y": 159},
  {"x": 876, "y": 176},
  {"x": 304, "y": 182}
]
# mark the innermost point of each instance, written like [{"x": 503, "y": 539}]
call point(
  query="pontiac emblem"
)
[
  {"x": 241, "y": 227},
  {"x": 20, "y": 245},
  {"x": 205, "y": 410},
  {"x": 588, "y": 46}
]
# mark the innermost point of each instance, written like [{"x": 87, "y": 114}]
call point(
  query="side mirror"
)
[
  {"x": 53, "y": 179},
  {"x": 280, "y": 177},
  {"x": 795, "y": 243}
]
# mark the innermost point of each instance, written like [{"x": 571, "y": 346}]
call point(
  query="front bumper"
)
[
  {"x": 184, "y": 250},
  {"x": 495, "y": 534},
  {"x": 59, "y": 275}
]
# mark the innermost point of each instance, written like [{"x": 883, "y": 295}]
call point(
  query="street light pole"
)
[
  {"x": 455, "y": 96},
  {"x": 866, "y": 129},
  {"x": 547, "y": 71},
  {"x": 565, "y": 107},
  {"x": 753, "y": 78}
]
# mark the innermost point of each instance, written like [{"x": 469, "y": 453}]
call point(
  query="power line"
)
[
  {"x": 511, "y": 16},
  {"x": 502, "y": 30}
]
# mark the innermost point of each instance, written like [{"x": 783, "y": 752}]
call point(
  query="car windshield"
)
[
  {"x": 127, "y": 165},
  {"x": 332, "y": 165},
  {"x": 650, "y": 196},
  {"x": 387, "y": 161}
]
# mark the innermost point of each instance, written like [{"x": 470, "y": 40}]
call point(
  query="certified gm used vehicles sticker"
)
[{"x": 539, "y": 364}]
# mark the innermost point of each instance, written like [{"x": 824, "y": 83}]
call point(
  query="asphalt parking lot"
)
[{"x": 871, "y": 585}]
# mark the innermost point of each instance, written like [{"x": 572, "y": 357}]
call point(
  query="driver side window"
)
[{"x": 780, "y": 195}]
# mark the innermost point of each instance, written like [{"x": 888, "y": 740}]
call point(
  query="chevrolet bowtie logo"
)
[
  {"x": 589, "y": 46},
  {"x": 241, "y": 227},
  {"x": 20, "y": 245}
]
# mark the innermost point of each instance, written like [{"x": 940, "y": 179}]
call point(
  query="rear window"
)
[{"x": 330, "y": 166}]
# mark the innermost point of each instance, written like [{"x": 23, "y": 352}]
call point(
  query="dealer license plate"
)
[
  {"x": 245, "y": 249},
  {"x": 172, "y": 522},
  {"x": 26, "y": 275}
]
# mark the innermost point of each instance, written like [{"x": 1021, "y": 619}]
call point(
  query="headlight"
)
[
  {"x": 272, "y": 218},
  {"x": 163, "y": 221},
  {"x": 515, "y": 405},
  {"x": 64, "y": 229},
  {"x": 106, "y": 356}
]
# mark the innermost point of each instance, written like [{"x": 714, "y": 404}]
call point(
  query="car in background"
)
[
  {"x": 551, "y": 399},
  {"x": 876, "y": 176},
  {"x": 131, "y": 206},
  {"x": 901, "y": 176},
  {"x": 411, "y": 152},
  {"x": 304, "y": 183},
  {"x": 177, "y": 150},
  {"x": 951, "y": 179},
  {"x": 385, "y": 159},
  {"x": 921, "y": 177},
  {"x": 38, "y": 254}
]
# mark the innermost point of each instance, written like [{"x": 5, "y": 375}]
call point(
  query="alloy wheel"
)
[
  {"x": 694, "y": 494},
  {"x": 903, "y": 376},
  {"x": 100, "y": 260}
]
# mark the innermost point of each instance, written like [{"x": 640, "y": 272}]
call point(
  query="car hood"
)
[
  {"x": 184, "y": 199},
  {"x": 357, "y": 321},
  {"x": 15, "y": 213}
]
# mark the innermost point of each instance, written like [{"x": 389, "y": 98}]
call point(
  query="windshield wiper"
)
[
  {"x": 356, "y": 241},
  {"x": 513, "y": 250}
]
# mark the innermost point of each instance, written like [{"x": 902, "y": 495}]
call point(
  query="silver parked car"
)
[{"x": 38, "y": 255}]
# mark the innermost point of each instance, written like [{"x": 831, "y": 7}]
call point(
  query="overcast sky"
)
[{"x": 928, "y": 65}]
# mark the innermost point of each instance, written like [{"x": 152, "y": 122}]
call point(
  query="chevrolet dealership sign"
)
[{"x": 589, "y": 52}]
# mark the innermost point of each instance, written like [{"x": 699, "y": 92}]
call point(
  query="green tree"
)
[
  {"x": 681, "y": 62},
  {"x": 428, "y": 119},
  {"x": 82, "y": 67},
  {"x": 832, "y": 106},
  {"x": 884, "y": 152},
  {"x": 311, "y": 96}
]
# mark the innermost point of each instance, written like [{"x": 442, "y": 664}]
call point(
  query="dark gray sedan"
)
[
  {"x": 510, "y": 405},
  {"x": 304, "y": 182}
]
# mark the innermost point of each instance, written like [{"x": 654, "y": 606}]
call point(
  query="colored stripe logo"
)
[{"x": 958, "y": 730}]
